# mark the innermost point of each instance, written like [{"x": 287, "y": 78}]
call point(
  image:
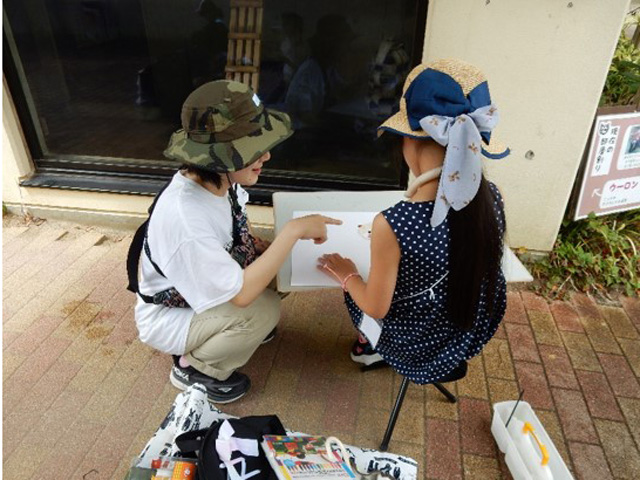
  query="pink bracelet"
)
[{"x": 343, "y": 284}]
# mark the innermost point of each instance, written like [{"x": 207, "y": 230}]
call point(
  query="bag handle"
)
[{"x": 191, "y": 442}]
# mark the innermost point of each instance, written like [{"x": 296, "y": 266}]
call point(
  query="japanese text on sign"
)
[{"x": 607, "y": 136}]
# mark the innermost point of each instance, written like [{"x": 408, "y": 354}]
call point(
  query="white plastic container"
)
[{"x": 523, "y": 447}]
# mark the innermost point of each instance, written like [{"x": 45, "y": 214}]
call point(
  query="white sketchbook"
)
[{"x": 352, "y": 239}]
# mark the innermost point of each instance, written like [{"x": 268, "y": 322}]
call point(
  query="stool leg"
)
[
  {"x": 394, "y": 414},
  {"x": 450, "y": 396}
]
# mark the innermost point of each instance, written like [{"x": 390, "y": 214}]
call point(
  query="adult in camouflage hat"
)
[
  {"x": 202, "y": 294},
  {"x": 226, "y": 128}
]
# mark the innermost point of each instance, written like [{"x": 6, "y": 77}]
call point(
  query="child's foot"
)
[{"x": 363, "y": 352}]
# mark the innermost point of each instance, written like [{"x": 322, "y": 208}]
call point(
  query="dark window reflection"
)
[{"x": 107, "y": 78}]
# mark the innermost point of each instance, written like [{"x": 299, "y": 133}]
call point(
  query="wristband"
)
[{"x": 343, "y": 284}]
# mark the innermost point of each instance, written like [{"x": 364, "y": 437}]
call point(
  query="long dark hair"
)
[{"x": 475, "y": 252}]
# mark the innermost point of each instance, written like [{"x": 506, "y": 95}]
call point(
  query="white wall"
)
[{"x": 546, "y": 61}]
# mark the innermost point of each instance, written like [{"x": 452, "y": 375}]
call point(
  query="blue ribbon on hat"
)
[{"x": 462, "y": 167}]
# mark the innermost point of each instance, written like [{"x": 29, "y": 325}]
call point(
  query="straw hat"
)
[{"x": 447, "y": 87}]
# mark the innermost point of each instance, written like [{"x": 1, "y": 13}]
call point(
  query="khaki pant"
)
[{"x": 223, "y": 338}]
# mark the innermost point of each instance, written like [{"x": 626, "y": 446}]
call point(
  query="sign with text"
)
[{"x": 611, "y": 180}]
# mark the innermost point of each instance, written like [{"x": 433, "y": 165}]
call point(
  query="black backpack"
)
[{"x": 201, "y": 444}]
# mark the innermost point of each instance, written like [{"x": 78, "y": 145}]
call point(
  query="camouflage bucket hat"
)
[{"x": 226, "y": 128}]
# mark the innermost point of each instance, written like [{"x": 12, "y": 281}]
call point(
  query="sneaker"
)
[
  {"x": 270, "y": 336},
  {"x": 363, "y": 352},
  {"x": 218, "y": 391}
]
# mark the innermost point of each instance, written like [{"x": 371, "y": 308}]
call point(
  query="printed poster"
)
[{"x": 611, "y": 182}]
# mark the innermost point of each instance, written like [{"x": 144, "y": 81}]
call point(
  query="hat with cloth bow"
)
[{"x": 448, "y": 101}]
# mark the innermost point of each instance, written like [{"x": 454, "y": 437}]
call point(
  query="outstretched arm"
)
[
  {"x": 374, "y": 296},
  {"x": 260, "y": 273}
]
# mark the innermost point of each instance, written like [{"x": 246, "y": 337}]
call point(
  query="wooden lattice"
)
[{"x": 245, "y": 32}]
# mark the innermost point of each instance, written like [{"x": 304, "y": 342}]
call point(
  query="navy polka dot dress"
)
[{"x": 417, "y": 339}]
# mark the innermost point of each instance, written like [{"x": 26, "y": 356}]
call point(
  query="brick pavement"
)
[{"x": 81, "y": 395}]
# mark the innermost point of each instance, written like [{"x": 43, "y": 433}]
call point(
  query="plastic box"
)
[{"x": 520, "y": 460}]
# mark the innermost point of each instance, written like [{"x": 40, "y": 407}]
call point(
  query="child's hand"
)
[{"x": 336, "y": 266}]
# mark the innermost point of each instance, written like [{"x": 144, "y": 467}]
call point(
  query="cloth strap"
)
[
  {"x": 462, "y": 167},
  {"x": 226, "y": 444}
]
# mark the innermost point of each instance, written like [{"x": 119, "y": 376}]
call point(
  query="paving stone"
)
[
  {"x": 29, "y": 340},
  {"x": 342, "y": 409},
  {"x": 377, "y": 388},
  {"x": 632, "y": 306},
  {"x": 585, "y": 306},
  {"x": 118, "y": 383},
  {"x": 281, "y": 385},
  {"x": 68, "y": 279},
  {"x": 315, "y": 376},
  {"x": 410, "y": 428},
  {"x": 480, "y": 468},
  {"x": 474, "y": 383},
  {"x": 10, "y": 363},
  {"x": 78, "y": 320},
  {"x": 20, "y": 243},
  {"x": 590, "y": 462},
  {"x": 502, "y": 390},
  {"x": 619, "y": 323},
  {"x": 566, "y": 317},
  {"x": 580, "y": 352},
  {"x": 18, "y": 269},
  {"x": 290, "y": 358},
  {"x": 48, "y": 428},
  {"x": 544, "y": 328},
  {"x": 619, "y": 449},
  {"x": 63, "y": 462},
  {"x": 437, "y": 406},
  {"x": 475, "y": 427},
  {"x": 501, "y": 332},
  {"x": 631, "y": 409},
  {"x": 443, "y": 450},
  {"x": 621, "y": 377},
  {"x": 522, "y": 342},
  {"x": 372, "y": 423},
  {"x": 23, "y": 463},
  {"x": 533, "y": 381},
  {"x": 574, "y": 416},
  {"x": 598, "y": 395},
  {"x": 497, "y": 360},
  {"x": 10, "y": 234},
  {"x": 553, "y": 428},
  {"x": 600, "y": 335},
  {"x": 558, "y": 367},
  {"x": 533, "y": 302},
  {"x": 341, "y": 364},
  {"x": 16, "y": 387},
  {"x": 631, "y": 349},
  {"x": 515, "y": 309}
]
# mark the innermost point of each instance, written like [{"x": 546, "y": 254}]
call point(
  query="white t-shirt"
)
[{"x": 189, "y": 235}]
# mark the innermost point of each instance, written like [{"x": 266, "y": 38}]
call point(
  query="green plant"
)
[
  {"x": 599, "y": 255},
  {"x": 623, "y": 80}
]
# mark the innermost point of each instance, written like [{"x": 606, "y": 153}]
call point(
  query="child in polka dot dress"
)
[{"x": 435, "y": 284}]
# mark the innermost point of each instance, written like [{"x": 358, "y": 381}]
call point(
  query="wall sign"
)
[{"x": 611, "y": 179}]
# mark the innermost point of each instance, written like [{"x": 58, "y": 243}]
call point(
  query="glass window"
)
[{"x": 105, "y": 79}]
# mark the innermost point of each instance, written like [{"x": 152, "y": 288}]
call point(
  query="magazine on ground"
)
[{"x": 303, "y": 457}]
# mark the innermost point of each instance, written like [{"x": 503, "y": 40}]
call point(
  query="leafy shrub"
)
[
  {"x": 623, "y": 80},
  {"x": 597, "y": 255}
]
